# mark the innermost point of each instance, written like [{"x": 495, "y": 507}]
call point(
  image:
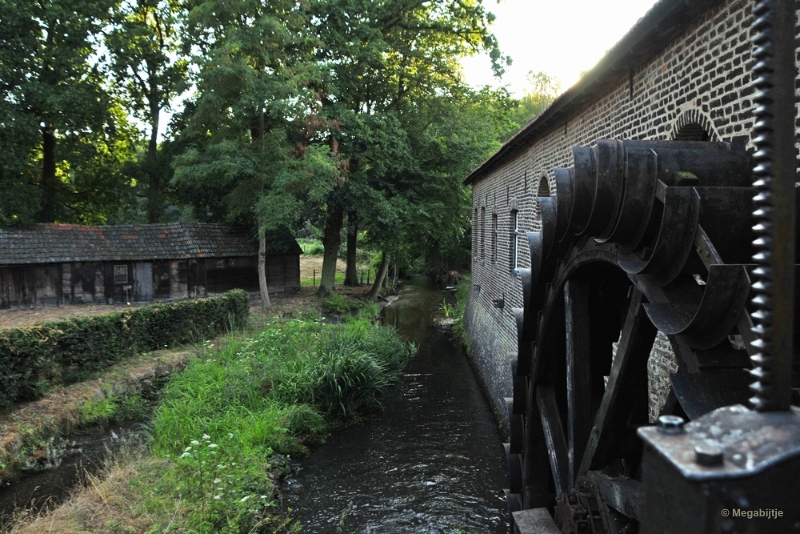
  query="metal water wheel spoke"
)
[
  {"x": 579, "y": 366},
  {"x": 554, "y": 437},
  {"x": 626, "y": 388}
]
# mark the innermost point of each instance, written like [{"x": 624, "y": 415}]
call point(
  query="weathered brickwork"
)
[{"x": 700, "y": 78}]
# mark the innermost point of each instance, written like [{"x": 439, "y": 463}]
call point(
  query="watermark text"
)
[{"x": 760, "y": 513}]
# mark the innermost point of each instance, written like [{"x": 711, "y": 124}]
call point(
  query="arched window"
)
[
  {"x": 692, "y": 132},
  {"x": 544, "y": 187},
  {"x": 542, "y": 191}
]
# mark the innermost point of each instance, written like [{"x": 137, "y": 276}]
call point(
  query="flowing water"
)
[{"x": 431, "y": 462}]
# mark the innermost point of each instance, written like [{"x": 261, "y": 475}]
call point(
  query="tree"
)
[
  {"x": 53, "y": 107},
  {"x": 250, "y": 117},
  {"x": 382, "y": 59},
  {"x": 543, "y": 89},
  {"x": 144, "y": 48}
]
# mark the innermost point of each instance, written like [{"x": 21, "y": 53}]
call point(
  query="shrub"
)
[
  {"x": 342, "y": 374},
  {"x": 339, "y": 305},
  {"x": 32, "y": 359}
]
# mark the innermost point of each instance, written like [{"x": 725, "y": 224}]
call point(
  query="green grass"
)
[
  {"x": 222, "y": 419},
  {"x": 312, "y": 247},
  {"x": 312, "y": 282}
]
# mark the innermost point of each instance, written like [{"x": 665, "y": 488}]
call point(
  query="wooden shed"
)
[{"x": 54, "y": 264}]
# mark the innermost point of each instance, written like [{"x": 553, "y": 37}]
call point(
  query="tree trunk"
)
[
  {"x": 257, "y": 134},
  {"x": 331, "y": 240},
  {"x": 153, "y": 203},
  {"x": 262, "y": 269},
  {"x": 49, "y": 204},
  {"x": 380, "y": 277},
  {"x": 351, "y": 273}
]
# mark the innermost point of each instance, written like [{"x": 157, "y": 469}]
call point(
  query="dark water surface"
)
[
  {"x": 82, "y": 454},
  {"x": 432, "y": 462}
]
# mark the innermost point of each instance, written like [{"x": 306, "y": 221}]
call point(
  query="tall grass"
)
[{"x": 230, "y": 410}]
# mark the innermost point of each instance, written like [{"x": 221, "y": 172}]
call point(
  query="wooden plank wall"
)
[{"x": 30, "y": 286}]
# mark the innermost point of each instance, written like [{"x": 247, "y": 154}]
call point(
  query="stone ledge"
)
[{"x": 534, "y": 521}]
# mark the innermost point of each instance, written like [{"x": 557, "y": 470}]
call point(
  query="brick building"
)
[
  {"x": 55, "y": 264},
  {"x": 682, "y": 72}
]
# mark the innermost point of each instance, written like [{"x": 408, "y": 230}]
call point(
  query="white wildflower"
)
[
  {"x": 206, "y": 437},
  {"x": 217, "y": 480},
  {"x": 245, "y": 498},
  {"x": 185, "y": 455},
  {"x": 195, "y": 442},
  {"x": 217, "y": 497},
  {"x": 212, "y": 445},
  {"x": 187, "y": 449}
]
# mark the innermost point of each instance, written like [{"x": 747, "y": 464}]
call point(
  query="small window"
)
[
  {"x": 475, "y": 234},
  {"x": 483, "y": 232},
  {"x": 494, "y": 240},
  {"x": 514, "y": 240},
  {"x": 120, "y": 274}
]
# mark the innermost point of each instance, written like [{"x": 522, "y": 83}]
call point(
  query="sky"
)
[{"x": 559, "y": 37}]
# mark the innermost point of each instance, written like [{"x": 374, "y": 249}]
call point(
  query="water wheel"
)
[{"x": 640, "y": 237}]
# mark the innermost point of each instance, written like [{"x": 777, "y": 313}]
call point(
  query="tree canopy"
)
[{"x": 331, "y": 112}]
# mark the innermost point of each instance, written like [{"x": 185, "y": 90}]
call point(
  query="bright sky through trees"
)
[{"x": 559, "y": 37}]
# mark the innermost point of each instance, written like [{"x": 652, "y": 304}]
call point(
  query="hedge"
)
[{"x": 59, "y": 353}]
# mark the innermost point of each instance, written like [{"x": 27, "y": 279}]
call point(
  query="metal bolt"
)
[
  {"x": 670, "y": 424},
  {"x": 708, "y": 455},
  {"x": 572, "y": 499}
]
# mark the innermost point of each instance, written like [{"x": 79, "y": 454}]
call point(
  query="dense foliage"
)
[
  {"x": 33, "y": 359},
  {"x": 339, "y": 115}
]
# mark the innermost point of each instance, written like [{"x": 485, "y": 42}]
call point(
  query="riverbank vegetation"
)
[{"x": 225, "y": 427}]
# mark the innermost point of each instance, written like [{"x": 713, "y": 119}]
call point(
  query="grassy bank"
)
[{"x": 226, "y": 424}]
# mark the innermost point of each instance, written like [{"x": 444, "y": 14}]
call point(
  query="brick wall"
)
[{"x": 702, "y": 77}]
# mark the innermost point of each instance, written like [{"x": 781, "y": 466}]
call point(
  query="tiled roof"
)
[{"x": 56, "y": 243}]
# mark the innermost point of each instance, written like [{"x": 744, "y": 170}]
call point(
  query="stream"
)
[{"x": 431, "y": 462}]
